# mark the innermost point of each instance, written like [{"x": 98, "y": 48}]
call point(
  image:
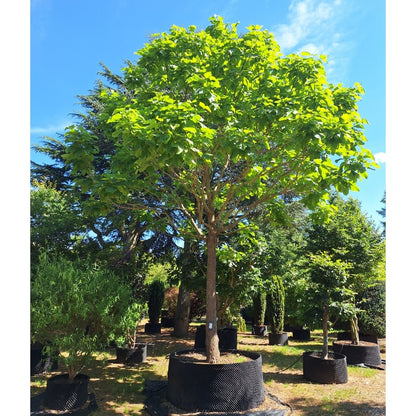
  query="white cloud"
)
[
  {"x": 49, "y": 129},
  {"x": 316, "y": 26},
  {"x": 380, "y": 157}
]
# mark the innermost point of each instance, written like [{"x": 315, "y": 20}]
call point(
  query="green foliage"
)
[
  {"x": 259, "y": 308},
  {"x": 76, "y": 308},
  {"x": 241, "y": 324},
  {"x": 276, "y": 305},
  {"x": 56, "y": 222},
  {"x": 326, "y": 280},
  {"x": 327, "y": 291},
  {"x": 124, "y": 333},
  {"x": 158, "y": 271},
  {"x": 372, "y": 314},
  {"x": 229, "y": 121},
  {"x": 351, "y": 239},
  {"x": 155, "y": 296},
  {"x": 382, "y": 212}
]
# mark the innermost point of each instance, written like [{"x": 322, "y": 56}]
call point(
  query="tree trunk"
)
[
  {"x": 325, "y": 319},
  {"x": 354, "y": 330},
  {"x": 211, "y": 336},
  {"x": 71, "y": 373},
  {"x": 182, "y": 312}
]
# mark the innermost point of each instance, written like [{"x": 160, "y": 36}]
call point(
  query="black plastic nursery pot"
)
[
  {"x": 259, "y": 330},
  {"x": 199, "y": 386},
  {"x": 227, "y": 338},
  {"x": 280, "y": 338},
  {"x": 362, "y": 353},
  {"x": 200, "y": 337},
  {"x": 64, "y": 395},
  {"x": 330, "y": 371},
  {"x": 150, "y": 328},
  {"x": 301, "y": 334},
  {"x": 131, "y": 356}
]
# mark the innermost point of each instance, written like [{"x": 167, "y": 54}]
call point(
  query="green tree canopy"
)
[
  {"x": 351, "y": 238},
  {"x": 55, "y": 221},
  {"x": 217, "y": 124}
]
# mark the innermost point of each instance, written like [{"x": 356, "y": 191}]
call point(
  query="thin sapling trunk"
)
[{"x": 325, "y": 319}]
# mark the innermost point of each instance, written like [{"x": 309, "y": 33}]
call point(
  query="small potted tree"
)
[
  {"x": 259, "y": 312},
  {"x": 156, "y": 296},
  {"x": 74, "y": 310},
  {"x": 327, "y": 290},
  {"x": 128, "y": 350},
  {"x": 276, "y": 312},
  {"x": 357, "y": 351}
]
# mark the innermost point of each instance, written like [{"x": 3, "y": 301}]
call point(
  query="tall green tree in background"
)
[
  {"x": 56, "y": 223},
  {"x": 351, "y": 238},
  {"x": 117, "y": 236},
  {"x": 217, "y": 125}
]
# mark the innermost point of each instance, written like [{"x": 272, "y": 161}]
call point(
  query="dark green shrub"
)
[
  {"x": 76, "y": 308},
  {"x": 259, "y": 308},
  {"x": 155, "y": 296},
  {"x": 372, "y": 315},
  {"x": 276, "y": 305}
]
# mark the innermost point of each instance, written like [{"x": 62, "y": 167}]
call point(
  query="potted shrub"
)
[
  {"x": 74, "y": 310},
  {"x": 155, "y": 298},
  {"x": 276, "y": 312},
  {"x": 259, "y": 311},
  {"x": 128, "y": 350},
  {"x": 358, "y": 347},
  {"x": 357, "y": 351},
  {"x": 326, "y": 289}
]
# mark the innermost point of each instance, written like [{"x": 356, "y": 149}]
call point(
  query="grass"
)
[{"x": 118, "y": 388}]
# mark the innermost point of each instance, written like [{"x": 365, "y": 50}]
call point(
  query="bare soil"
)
[{"x": 225, "y": 358}]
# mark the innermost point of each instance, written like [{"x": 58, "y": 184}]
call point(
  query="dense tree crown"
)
[
  {"x": 214, "y": 125},
  {"x": 228, "y": 119}
]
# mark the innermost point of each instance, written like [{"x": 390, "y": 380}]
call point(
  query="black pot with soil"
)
[
  {"x": 301, "y": 334},
  {"x": 167, "y": 322},
  {"x": 62, "y": 394},
  {"x": 325, "y": 371},
  {"x": 132, "y": 356},
  {"x": 280, "y": 338},
  {"x": 230, "y": 387},
  {"x": 150, "y": 328},
  {"x": 259, "y": 330},
  {"x": 362, "y": 353},
  {"x": 227, "y": 338}
]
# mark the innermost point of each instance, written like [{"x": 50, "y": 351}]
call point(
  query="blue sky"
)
[{"x": 68, "y": 39}]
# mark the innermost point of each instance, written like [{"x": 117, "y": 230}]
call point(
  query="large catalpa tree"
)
[{"x": 218, "y": 124}]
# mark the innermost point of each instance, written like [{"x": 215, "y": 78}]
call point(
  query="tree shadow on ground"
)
[{"x": 345, "y": 408}]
